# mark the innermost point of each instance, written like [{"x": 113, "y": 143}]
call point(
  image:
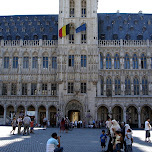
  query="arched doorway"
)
[
  {"x": 1, "y": 114},
  {"x": 41, "y": 114},
  {"x": 20, "y": 111},
  {"x": 10, "y": 112},
  {"x": 74, "y": 111},
  {"x": 102, "y": 114},
  {"x": 146, "y": 112},
  {"x": 31, "y": 112},
  {"x": 132, "y": 116},
  {"x": 52, "y": 116},
  {"x": 117, "y": 113}
]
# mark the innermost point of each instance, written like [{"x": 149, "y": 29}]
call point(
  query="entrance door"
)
[{"x": 74, "y": 115}]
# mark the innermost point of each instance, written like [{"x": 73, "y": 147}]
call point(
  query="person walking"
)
[
  {"x": 19, "y": 120},
  {"x": 129, "y": 140},
  {"x": 147, "y": 129},
  {"x": 26, "y": 121},
  {"x": 103, "y": 138},
  {"x": 53, "y": 144},
  {"x": 14, "y": 124},
  {"x": 62, "y": 125}
]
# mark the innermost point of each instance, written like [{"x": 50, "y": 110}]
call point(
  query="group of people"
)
[
  {"x": 119, "y": 136},
  {"x": 26, "y": 122}
]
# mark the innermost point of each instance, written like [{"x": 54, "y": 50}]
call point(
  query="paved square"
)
[{"x": 77, "y": 140}]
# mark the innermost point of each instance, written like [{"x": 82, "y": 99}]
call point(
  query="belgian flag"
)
[{"x": 64, "y": 30}]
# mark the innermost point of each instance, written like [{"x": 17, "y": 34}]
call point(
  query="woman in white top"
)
[{"x": 147, "y": 129}]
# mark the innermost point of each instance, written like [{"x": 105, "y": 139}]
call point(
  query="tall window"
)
[
  {"x": 101, "y": 61},
  {"x": 83, "y": 8},
  {"x": 117, "y": 86},
  {"x": 26, "y": 62},
  {"x": 44, "y": 89},
  {"x": 35, "y": 62},
  {"x": 136, "y": 86},
  {"x": 144, "y": 86},
  {"x": 53, "y": 89},
  {"x": 45, "y": 62},
  {"x": 83, "y": 61},
  {"x": 109, "y": 87},
  {"x": 24, "y": 88},
  {"x": 151, "y": 63},
  {"x": 72, "y": 5},
  {"x": 13, "y": 89},
  {"x": 70, "y": 87},
  {"x": 116, "y": 61},
  {"x": 143, "y": 62},
  {"x": 127, "y": 86},
  {"x": 135, "y": 62},
  {"x": 108, "y": 61},
  {"x": 127, "y": 62},
  {"x": 6, "y": 62},
  {"x": 102, "y": 86},
  {"x": 54, "y": 62},
  {"x": 15, "y": 62},
  {"x": 33, "y": 89},
  {"x": 83, "y": 87},
  {"x": 71, "y": 34},
  {"x": 4, "y": 89},
  {"x": 71, "y": 60}
]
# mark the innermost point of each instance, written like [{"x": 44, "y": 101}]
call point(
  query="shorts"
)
[
  {"x": 14, "y": 127},
  {"x": 147, "y": 133},
  {"x": 103, "y": 144},
  {"x": 118, "y": 147}
]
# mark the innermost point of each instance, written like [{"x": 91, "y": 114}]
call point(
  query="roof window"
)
[{"x": 140, "y": 37}]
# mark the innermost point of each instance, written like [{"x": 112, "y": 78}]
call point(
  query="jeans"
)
[{"x": 58, "y": 149}]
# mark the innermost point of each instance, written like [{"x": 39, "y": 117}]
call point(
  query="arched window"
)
[
  {"x": 136, "y": 86},
  {"x": 144, "y": 86},
  {"x": 102, "y": 85},
  {"x": 15, "y": 62},
  {"x": 6, "y": 62},
  {"x": 45, "y": 62},
  {"x": 71, "y": 34},
  {"x": 127, "y": 62},
  {"x": 143, "y": 62},
  {"x": 116, "y": 62},
  {"x": 127, "y": 86},
  {"x": 117, "y": 86},
  {"x": 35, "y": 37},
  {"x": 83, "y": 8},
  {"x": 72, "y": 5},
  {"x": 108, "y": 61},
  {"x": 109, "y": 87},
  {"x": 101, "y": 61},
  {"x": 83, "y": 36},
  {"x": 135, "y": 62}
]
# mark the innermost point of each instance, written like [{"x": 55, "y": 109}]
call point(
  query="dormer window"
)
[
  {"x": 115, "y": 36},
  {"x": 127, "y": 37},
  {"x": 140, "y": 37},
  {"x": 102, "y": 36}
]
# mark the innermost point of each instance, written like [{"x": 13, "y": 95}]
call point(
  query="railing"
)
[
  {"x": 126, "y": 43},
  {"x": 28, "y": 43}
]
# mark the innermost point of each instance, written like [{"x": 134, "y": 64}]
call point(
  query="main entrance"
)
[
  {"x": 74, "y": 111},
  {"x": 74, "y": 115}
]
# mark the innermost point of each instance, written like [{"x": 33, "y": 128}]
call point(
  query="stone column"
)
[
  {"x": 25, "y": 110},
  {"x": 36, "y": 114},
  {"x": 139, "y": 118},
  {"x": 5, "y": 108},
  {"x": 124, "y": 117},
  {"x": 47, "y": 112}
]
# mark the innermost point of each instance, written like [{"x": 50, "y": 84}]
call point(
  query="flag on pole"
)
[
  {"x": 81, "y": 28},
  {"x": 64, "y": 30}
]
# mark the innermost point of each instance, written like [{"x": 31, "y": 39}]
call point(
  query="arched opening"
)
[
  {"x": 31, "y": 112},
  {"x": 41, "y": 114},
  {"x": 52, "y": 116},
  {"x": 1, "y": 114},
  {"x": 10, "y": 112},
  {"x": 132, "y": 116},
  {"x": 117, "y": 113},
  {"x": 20, "y": 111},
  {"x": 102, "y": 115},
  {"x": 74, "y": 111},
  {"x": 146, "y": 112}
]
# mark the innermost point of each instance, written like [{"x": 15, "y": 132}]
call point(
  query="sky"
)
[{"x": 32, "y": 7}]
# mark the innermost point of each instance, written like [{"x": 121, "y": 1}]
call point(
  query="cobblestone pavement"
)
[{"x": 77, "y": 140}]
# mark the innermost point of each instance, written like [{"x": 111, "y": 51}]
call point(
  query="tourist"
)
[
  {"x": 26, "y": 122},
  {"x": 118, "y": 140},
  {"x": 147, "y": 129},
  {"x": 103, "y": 138},
  {"x": 53, "y": 144},
  {"x": 44, "y": 123},
  {"x": 13, "y": 125},
  {"x": 108, "y": 125},
  {"x": 128, "y": 140},
  {"x": 31, "y": 126},
  {"x": 62, "y": 125},
  {"x": 19, "y": 120},
  {"x": 66, "y": 125}
]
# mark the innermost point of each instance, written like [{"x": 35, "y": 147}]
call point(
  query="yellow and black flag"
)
[{"x": 64, "y": 30}]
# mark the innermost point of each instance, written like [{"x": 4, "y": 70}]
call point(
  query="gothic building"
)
[{"x": 104, "y": 69}]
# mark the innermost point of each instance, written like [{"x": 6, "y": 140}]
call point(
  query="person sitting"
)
[{"x": 52, "y": 143}]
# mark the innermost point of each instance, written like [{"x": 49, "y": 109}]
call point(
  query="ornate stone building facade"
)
[{"x": 103, "y": 70}]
